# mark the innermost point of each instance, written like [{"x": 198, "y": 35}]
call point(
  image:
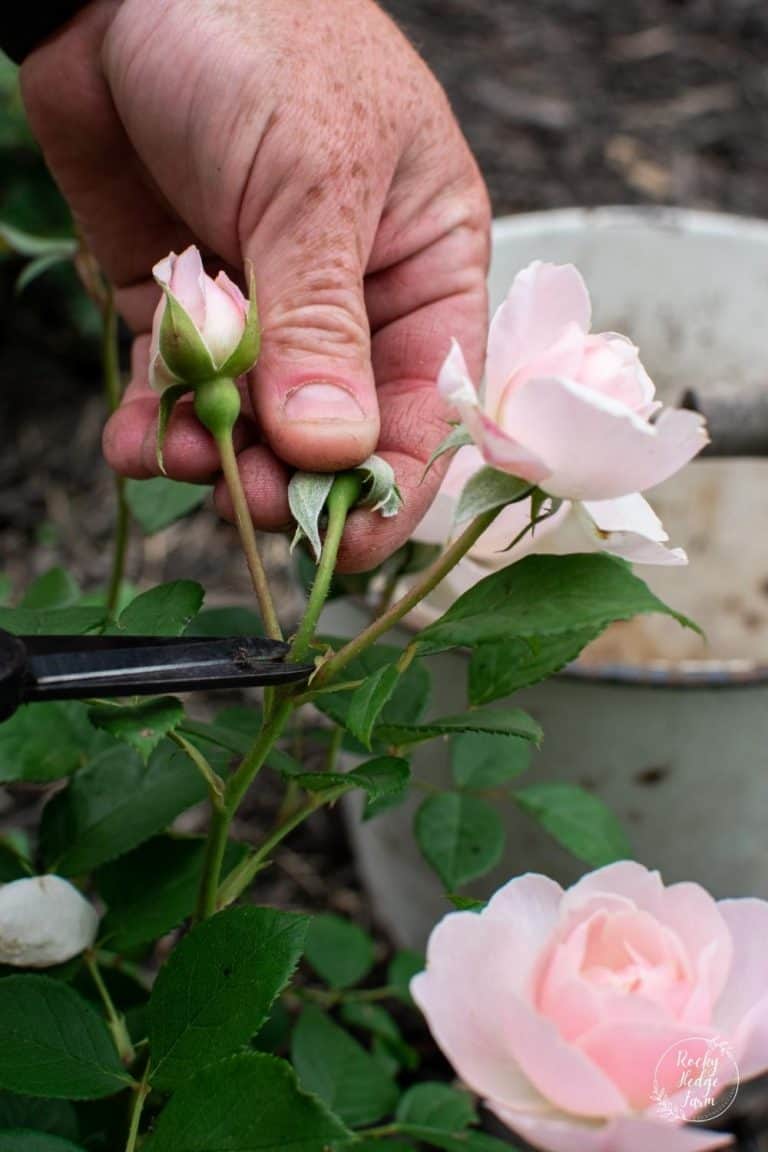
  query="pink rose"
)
[
  {"x": 217, "y": 309},
  {"x": 576, "y": 1015},
  {"x": 489, "y": 553},
  {"x": 571, "y": 411}
]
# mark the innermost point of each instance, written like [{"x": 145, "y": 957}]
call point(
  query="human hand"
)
[{"x": 308, "y": 137}]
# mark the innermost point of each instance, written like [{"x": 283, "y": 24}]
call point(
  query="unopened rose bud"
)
[
  {"x": 202, "y": 328},
  {"x": 44, "y": 921}
]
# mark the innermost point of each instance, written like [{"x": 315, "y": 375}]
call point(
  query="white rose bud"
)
[{"x": 44, "y": 921}]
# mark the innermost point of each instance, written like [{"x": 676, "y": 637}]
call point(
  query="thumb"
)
[{"x": 313, "y": 389}]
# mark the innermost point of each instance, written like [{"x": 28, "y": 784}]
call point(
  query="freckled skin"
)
[{"x": 308, "y": 137}]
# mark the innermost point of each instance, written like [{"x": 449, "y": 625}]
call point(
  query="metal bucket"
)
[{"x": 671, "y": 732}]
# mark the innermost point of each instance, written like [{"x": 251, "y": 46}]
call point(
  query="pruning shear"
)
[{"x": 76, "y": 667}]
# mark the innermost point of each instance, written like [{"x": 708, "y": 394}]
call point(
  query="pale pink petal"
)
[
  {"x": 233, "y": 291},
  {"x": 224, "y": 322},
  {"x": 497, "y": 448},
  {"x": 531, "y": 904},
  {"x": 628, "y": 527},
  {"x": 163, "y": 270},
  {"x": 634, "y": 1055},
  {"x": 543, "y": 300},
  {"x": 697, "y": 921},
  {"x": 632, "y": 883},
  {"x": 160, "y": 375},
  {"x": 495, "y": 1041},
  {"x": 612, "y": 365},
  {"x": 594, "y": 447},
  {"x": 624, "y": 1134},
  {"x": 741, "y": 1011},
  {"x": 187, "y": 284},
  {"x": 463, "y": 1012},
  {"x": 751, "y": 1041}
]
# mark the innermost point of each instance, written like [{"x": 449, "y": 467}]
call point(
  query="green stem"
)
[
  {"x": 247, "y": 535},
  {"x": 141, "y": 1093},
  {"x": 215, "y": 848},
  {"x": 342, "y": 497},
  {"x": 114, "y": 1019},
  {"x": 426, "y": 583},
  {"x": 110, "y": 367},
  {"x": 214, "y": 782}
]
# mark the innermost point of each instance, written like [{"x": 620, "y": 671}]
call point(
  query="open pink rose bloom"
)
[
  {"x": 574, "y": 412},
  {"x": 604, "y": 1017},
  {"x": 217, "y": 308}
]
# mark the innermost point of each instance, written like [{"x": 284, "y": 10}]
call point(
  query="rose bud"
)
[{"x": 44, "y": 921}]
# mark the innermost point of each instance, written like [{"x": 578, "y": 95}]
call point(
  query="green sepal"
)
[
  {"x": 458, "y": 437},
  {"x": 168, "y": 400},
  {"x": 185, "y": 353},
  {"x": 247, "y": 352}
]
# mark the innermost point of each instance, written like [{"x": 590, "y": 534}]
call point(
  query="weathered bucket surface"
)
[{"x": 670, "y": 731}]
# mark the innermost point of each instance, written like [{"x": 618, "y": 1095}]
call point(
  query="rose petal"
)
[
  {"x": 697, "y": 921},
  {"x": 624, "y": 1134},
  {"x": 543, "y": 300},
  {"x": 498, "y": 449},
  {"x": 628, "y": 527},
  {"x": 740, "y": 1012},
  {"x": 497, "y": 1043},
  {"x": 464, "y": 1017},
  {"x": 187, "y": 284},
  {"x": 224, "y": 321},
  {"x": 44, "y": 921},
  {"x": 594, "y": 447},
  {"x": 625, "y": 880},
  {"x": 631, "y": 1055}
]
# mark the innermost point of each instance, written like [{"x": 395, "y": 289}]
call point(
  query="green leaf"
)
[
  {"x": 13, "y": 866},
  {"x": 434, "y": 1105},
  {"x": 215, "y": 991},
  {"x": 501, "y": 722},
  {"x": 47, "y": 741},
  {"x": 57, "y": 1117},
  {"x": 465, "y": 903},
  {"x": 402, "y": 968},
  {"x": 153, "y": 888},
  {"x": 544, "y": 596},
  {"x": 368, "y": 700},
  {"x": 142, "y": 725},
  {"x": 307, "y": 494},
  {"x": 56, "y": 622},
  {"x": 497, "y": 670},
  {"x": 340, "y": 952},
  {"x": 6, "y": 587},
  {"x": 385, "y": 779},
  {"x": 249, "y": 1103},
  {"x": 461, "y": 836},
  {"x": 408, "y": 699},
  {"x": 158, "y": 502},
  {"x": 36, "y": 268},
  {"x": 53, "y": 1044},
  {"x": 234, "y": 621},
  {"x": 379, "y": 491},
  {"x": 163, "y": 611},
  {"x": 466, "y": 1141},
  {"x": 27, "y": 244},
  {"x": 56, "y": 588},
  {"x": 579, "y": 821},
  {"x": 31, "y": 1141},
  {"x": 331, "y": 1064},
  {"x": 377, "y": 1021},
  {"x": 458, "y": 437},
  {"x": 115, "y": 803},
  {"x": 480, "y": 760},
  {"x": 487, "y": 489}
]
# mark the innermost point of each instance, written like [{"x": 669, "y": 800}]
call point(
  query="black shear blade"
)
[{"x": 62, "y": 668}]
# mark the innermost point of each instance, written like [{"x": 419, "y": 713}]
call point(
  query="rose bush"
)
[
  {"x": 574, "y": 412},
  {"x": 558, "y": 1007}
]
